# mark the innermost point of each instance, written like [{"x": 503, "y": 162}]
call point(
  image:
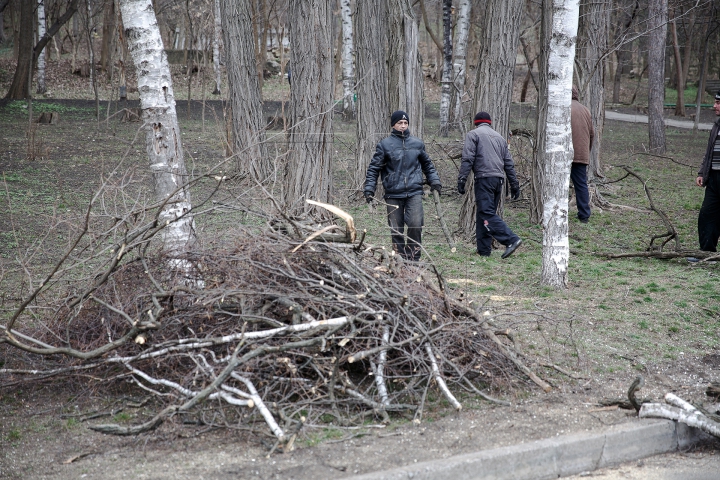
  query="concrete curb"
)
[
  {"x": 669, "y": 122},
  {"x": 554, "y": 457}
]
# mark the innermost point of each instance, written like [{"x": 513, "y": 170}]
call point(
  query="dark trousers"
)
[
  {"x": 401, "y": 212},
  {"x": 488, "y": 224},
  {"x": 578, "y": 175},
  {"x": 709, "y": 217}
]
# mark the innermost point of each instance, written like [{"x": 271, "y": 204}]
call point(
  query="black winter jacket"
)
[
  {"x": 401, "y": 161},
  {"x": 704, "y": 171}
]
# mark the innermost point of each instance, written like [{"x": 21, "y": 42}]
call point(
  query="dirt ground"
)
[{"x": 43, "y": 430}]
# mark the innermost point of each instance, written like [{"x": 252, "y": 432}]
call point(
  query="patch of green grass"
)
[
  {"x": 21, "y": 106},
  {"x": 122, "y": 417},
  {"x": 14, "y": 435},
  {"x": 643, "y": 324}
]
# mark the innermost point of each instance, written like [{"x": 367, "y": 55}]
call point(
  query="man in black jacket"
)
[
  {"x": 401, "y": 161},
  {"x": 486, "y": 155},
  {"x": 709, "y": 177}
]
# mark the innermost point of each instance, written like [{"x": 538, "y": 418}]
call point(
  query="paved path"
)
[{"x": 669, "y": 122}]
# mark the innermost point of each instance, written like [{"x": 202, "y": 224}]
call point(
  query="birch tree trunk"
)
[
  {"x": 446, "y": 81},
  {"x": 41, "y": 88},
  {"x": 460, "y": 63},
  {"x": 217, "y": 38},
  {"x": 311, "y": 100},
  {"x": 162, "y": 133},
  {"x": 494, "y": 79},
  {"x": 558, "y": 152},
  {"x": 593, "y": 31},
  {"x": 373, "y": 112},
  {"x": 657, "y": 24},
  {"x": 248, "y": 126},
  {"x": 348, "y": 66},
  {"x": 405, "y": 76}
]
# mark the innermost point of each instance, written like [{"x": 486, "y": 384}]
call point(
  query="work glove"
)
[
  {"x": 369, "y": 197},
  {"x": 436, "y": 186},
  {"x": 515, "y": 192},
  {"x": 461, "y": 186}
]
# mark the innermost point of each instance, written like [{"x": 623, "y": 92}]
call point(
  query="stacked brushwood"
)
[{"x": 273, "y": 328}]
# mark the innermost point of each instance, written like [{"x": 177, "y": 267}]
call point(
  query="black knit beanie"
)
[
  {"x": 482, "y": 117},
  {"x": 397, "y": 116},
  {"x": 717, "y": 95}
]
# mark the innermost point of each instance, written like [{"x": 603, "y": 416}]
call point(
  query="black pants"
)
[
  {"x": 488, "y": 224},
  {"x": 401, "y": 212},
  {"x": 578, "y": 175},
  {"x": 709, "y": 217}
]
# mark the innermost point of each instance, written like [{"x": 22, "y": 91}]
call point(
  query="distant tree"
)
[
  {"x": 308, "y": 174},
  {"x": 460, "y": 63},
  {"x": 405, "y": 75},
  {"x": 244, "y": 89},
  {"x": 41, "y": 88},
  {"x": 217, "y": 38},
  {"x": 373, "y": 111},
  {"x": 162, "y": 132},
  {"x": 657, "y": 26},
  {"x": 348, "y": 64},
  {"x": 447, "y": 70},
  {"x": 108, "y": 34},
  {"x": 27, "y": 53}
]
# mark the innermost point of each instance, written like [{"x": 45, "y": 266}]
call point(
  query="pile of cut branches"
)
[{"x": 269, "y": 330}]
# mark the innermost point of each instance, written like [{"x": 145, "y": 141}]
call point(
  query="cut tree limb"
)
[{"x": 443, "y": 225}]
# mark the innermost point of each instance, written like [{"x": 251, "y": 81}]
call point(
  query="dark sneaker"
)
[
  {"x": 584, "y": 220},
  {"x": 511, "y": 248}
]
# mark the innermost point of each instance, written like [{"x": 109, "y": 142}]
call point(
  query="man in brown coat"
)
[{"x": 582, "y": 138}]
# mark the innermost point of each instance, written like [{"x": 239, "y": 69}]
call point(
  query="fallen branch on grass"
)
[{"x": 681, "y": 411}]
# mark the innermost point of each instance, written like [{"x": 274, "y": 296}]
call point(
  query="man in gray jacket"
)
[{"x": 486, "y": 153}]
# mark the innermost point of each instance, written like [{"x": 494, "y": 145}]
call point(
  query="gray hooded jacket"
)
[{"x": 486, "y": 152}]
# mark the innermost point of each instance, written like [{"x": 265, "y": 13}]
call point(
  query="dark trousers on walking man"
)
[
  {"x": 709, "y": 177},
  {"x": 488, "y": 224},
  {"x": 406, "y": 212},
  {"x": 578, "y": 175}
]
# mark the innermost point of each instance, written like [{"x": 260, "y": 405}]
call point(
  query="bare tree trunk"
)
[
  {"x": 405, "y": 76},
  {"x": 494, "y": 80},
  {"x": 244, "y": 89},
  {"x": 657, "y": 24},
  {"x": 446, "y": 82},
  {"x": 108, "y": 34},
  {"x": 348, "y": 66},
  {"x": 592, "y": 46},
  {"x": 680, "y": 80},
  {"x": 373, "y": 111},
  {"x": 311, "y": 100},
  {"x": 557, "y": 155},
  {"x": 20, "y": 88},
  {"x": 460, "y": 63},
  {"x": 701, "y": 81},
  {"x": 41, "y": 88},
  {"x": 162, "y": 133},
  {"x": 217, "y": 38}
]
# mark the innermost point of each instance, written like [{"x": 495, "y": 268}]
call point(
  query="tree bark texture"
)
[
  {"x": 405, "y": 75},
  {"x": 460, "y": 63},
  {"x": 20, "y": 88},
  {"x": 447, "y": 70},
  {"x": 657, "y": 24},
  {"x": 373, "y": 111},
  {"x": 163, "y": 138},
  {"x": 248, "y": 126},
  {"x": 217, "y": 38},
  {"x": 557, "y": 155},
  {"x": 348, "y": 64},
  {"x": 679, "y": 78},
  {"x": 593, "y": 31},
  {"x": 41, "y": 88},
  {"x": 494, "y": 79},
  {"x": 311, "y": 101},
  {"x": 108, "y": 34}
]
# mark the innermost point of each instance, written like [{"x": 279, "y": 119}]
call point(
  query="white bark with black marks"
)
[
  {"x": 447, "y": 69},
  {"x": 163, "y": 140},
  {"x": 460, "y": 62},
  {"x": 41, "y": 88},
  {"x": 348, "y": 65},
  {"x": 558, "y": 151},
  {"x": 217, "y": 38}
]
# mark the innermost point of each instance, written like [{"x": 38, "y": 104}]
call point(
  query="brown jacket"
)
[{"x": 582, "y": 132}]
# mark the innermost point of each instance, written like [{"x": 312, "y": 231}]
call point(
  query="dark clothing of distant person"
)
[
  {"x": 709, "y": 216},
  {"x": 583, "y": 135}
]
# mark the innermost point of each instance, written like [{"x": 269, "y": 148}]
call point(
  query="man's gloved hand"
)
[
  {"x": 461, "y": 186},
  {"x": 436, "y": 186},
  {"x": 369, "y": 197},
  {"x": 515, "y": 191}
]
